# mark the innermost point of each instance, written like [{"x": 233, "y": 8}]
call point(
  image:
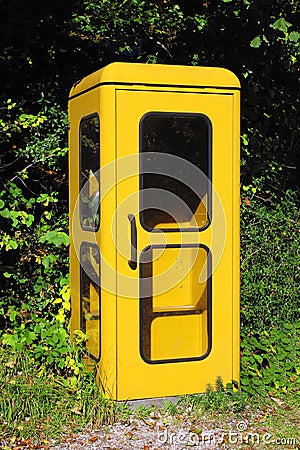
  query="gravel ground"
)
[
  {"x": 162, "y": 430},
  {"x": 145, "y": 435},
  {"x": 158, "y": 431}
]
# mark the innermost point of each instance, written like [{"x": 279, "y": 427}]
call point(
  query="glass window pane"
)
[
  {"x": 90, "y": 297},
  {"x": 180, "y": 193},
  {"x": 89, "y": 172}
]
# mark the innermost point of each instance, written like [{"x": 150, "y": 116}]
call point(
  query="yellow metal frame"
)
[{"x": 121, "y": 94}]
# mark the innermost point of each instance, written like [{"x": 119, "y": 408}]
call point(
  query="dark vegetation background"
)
[{"x": 44, "y": 48}]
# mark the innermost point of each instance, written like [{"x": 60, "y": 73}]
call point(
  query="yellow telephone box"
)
[{"x": 154, "y": 223}]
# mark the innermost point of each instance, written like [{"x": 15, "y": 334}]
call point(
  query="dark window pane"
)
[
  {"x": 89, "y": 172},
  {"x": 180, "y": 195},
  {"x": 90, "y": 297}
]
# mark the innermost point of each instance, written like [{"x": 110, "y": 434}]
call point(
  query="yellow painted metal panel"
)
[
  {"x": 157, "y": 74},
  {"x": 159, "y": 378},
  {"x": 236, "y": 240},
  {"x": 78, "y": 108},
  {"x": 177, "y": 337},
  {"x": 184, "y": 265}
]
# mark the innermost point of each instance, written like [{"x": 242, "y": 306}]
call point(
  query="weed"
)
[
  {"x": 37, "y": 403},
  {"x": 222, "y": 399},
  {"x": 143, "y": 411},
  {"x": 171, "y": 408}
]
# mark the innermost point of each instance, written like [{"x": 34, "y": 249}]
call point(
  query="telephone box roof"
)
[{"x": 157, "y": 75}]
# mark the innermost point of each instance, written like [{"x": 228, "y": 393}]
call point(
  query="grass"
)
[
  {"x": 283, "y": 419},
  {"x": 40, "y": 405},
  {"x": 240, "y": 421},
  {"x": 36, "y": 406}
]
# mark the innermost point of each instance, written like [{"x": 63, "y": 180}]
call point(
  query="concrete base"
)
[{"x": 159, "y": 402}]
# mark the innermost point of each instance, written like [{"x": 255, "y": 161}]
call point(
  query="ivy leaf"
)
[
  {"x": 12, "y": 244},
  {"x": 5, "y": 213},
  {"x": 65, "y": 239},
  {"x": 56, "y": 237},
  {"x": 10, "y": 339},
  {"x": 7, "y": 274},
  {"x": 50, "y": 359},
  {"x": 294, "y": 36},
  {"x": 245, "y": 139},
  {"x": 256, "y": 42},
  {"x": 265, "y": 39},
  {"x": 30, "y": 220},
  {"x": 48, "y": 259},
  {"x": 281, "y": 25},
  {"x": 67, "y": 306},
  {"x": 30, "y": 337},
  {"x": 65, "y": 293}
]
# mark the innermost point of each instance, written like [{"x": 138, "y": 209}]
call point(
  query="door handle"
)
[{"x": 133, "y": 237}]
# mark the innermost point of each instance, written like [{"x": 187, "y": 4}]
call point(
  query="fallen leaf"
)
[
  {"x": 10, "y": 363},
  {"x": 262, "y": 430},
  {"x": 128, "y": 434},
  {"x": 76, "y": 410},
  {"x": 25, "y": 442},
  {"x": 277, "y": 401}
]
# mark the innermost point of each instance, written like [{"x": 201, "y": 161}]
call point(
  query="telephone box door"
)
[{"x": 173, "y": 238}]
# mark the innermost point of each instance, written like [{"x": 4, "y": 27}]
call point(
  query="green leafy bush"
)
[
  {"x": 34, "y": 281},
  {"x": 270, "y": 360},
  {"x": 270, "y": 294},
  {"x": 34, "y": 302},
  {"x": 270, "y": 272}
]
